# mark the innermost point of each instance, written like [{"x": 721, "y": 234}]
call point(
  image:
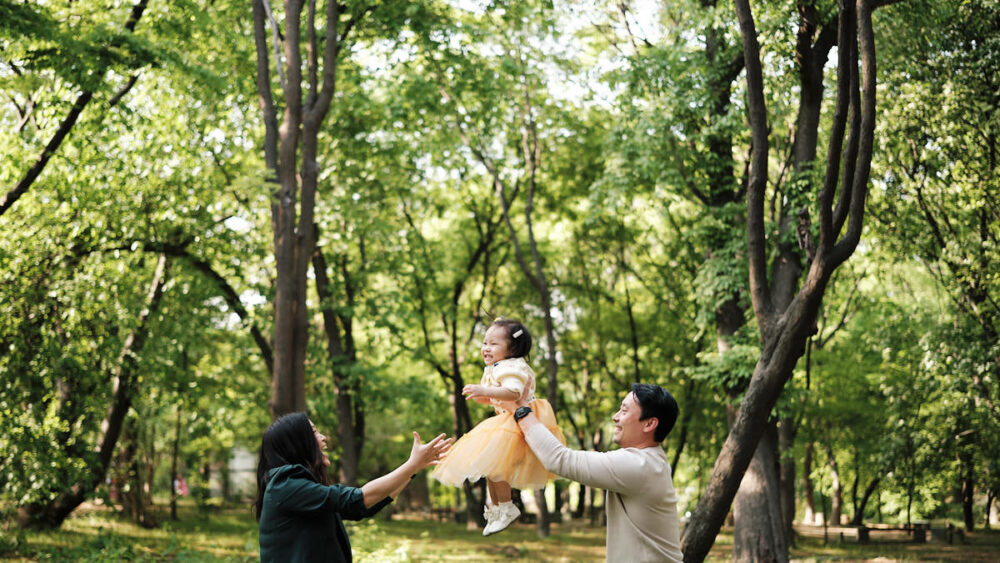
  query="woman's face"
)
[{"x": 321, "y": 443}]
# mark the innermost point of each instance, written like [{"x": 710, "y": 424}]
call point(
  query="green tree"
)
[
  {"x": 785, "y": 317},
  {"x": 937, "y": 171}
]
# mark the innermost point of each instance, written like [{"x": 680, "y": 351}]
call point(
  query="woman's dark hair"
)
[
  {"x": 655, "y": 401},
  {"x": 520, "y": 345},
  {"x": 290, "y": 440}
]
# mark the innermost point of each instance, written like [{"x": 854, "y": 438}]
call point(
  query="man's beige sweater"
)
[{"x": 641, "y": 501}]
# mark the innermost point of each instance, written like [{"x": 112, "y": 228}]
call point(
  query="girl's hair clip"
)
[{"x": 518, "y": 333}]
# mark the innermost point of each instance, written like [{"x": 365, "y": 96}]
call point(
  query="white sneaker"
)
[
  {"x": 504, "y": 515},
  {"x": 490, "y": 513}
]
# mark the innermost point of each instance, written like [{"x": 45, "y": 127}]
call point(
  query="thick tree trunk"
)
[
  {"x": 758, "y": 532},
  {"x": 784, "y": 330},
  {"x": 786, "y": 441},
  {"x": 341, "y": 355},
  {"x": 290, "y": 152},
  {"x": 52, "y": 513}
]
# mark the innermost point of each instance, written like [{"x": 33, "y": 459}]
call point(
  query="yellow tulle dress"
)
[{"x": 496, "y": 448}]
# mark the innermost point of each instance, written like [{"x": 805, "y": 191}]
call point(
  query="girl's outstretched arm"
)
[
  {"x": 474, "y": 392},
  {"x": 421, "y": 456}
]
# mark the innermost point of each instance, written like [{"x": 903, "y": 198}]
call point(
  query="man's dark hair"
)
[
  {"x": 290, "y": 440},
  {"x": 655, "y": 401},
  {"x": 519, "y": 345}
]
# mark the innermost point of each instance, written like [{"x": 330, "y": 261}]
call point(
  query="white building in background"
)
[{"x": 242, "y": 473}]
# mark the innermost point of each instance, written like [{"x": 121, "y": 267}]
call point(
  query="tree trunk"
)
[
  {"x": 968, "y": 485},
  {"x": 543, "y": 513},
  {"x": 909, "y": 503},
  {"x": 837, "y": 503},
  {"x": 174, "y": 454},
  {"x": 560, "y": 492},
  {"x": 807, "y": 486},
  {"x": 290, "y": 152},
  {"x": 758, "y": 532},
  {"x": 990, "y": 496},
  {"x": 784, "y": 330},
  {"x": 341, "y": 355},
  {"x": 52, "y": 513},
  {"x": 859, "y": 508},
  {"x": 683, "y": 425},
  {"x": 134, "y": 501},
  {"x": 475, "y": 504},
  {"x": 581, "y": 503},
  {"x": 786, "y": 441}
]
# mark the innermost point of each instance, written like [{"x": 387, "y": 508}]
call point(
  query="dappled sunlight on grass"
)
[
  {"x": 410, "y": 540},
  {"x": 230, "y": 534},
  {"x": 98, "y": 535}
]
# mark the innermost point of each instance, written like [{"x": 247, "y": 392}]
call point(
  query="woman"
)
[{"x": 299, "y": 512}]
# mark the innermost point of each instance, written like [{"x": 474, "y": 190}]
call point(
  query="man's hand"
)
[{"x": 511, "y": 406}]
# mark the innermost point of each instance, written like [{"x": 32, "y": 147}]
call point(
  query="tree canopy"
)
[{"x": 786, "y": 214}]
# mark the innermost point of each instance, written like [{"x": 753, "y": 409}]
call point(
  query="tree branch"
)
[
  {"x": 124, "y": 90},
  {"x": 264, "y": 96},
  {"x": 36, "y": 169},
  {"x": 827, "y": 234},
  {"x": 276, "y": 37},
  {"x": 757, "y": 113},
  {"x": 859, "y": 189}
]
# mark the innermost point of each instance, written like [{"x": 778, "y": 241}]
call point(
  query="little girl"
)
[{"x": 496, "y": 448}]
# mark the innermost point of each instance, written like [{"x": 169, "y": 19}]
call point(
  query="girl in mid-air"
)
[{"x": 496, "y": 448}]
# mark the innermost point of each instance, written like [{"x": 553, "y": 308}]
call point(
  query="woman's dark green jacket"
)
[{"x": 301, "y": 520}]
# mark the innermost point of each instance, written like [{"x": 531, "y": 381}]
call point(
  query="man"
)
[{"x": 640, "y": 501}]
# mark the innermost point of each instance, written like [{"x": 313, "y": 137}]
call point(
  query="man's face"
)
[{"x": 628, "y": 427}]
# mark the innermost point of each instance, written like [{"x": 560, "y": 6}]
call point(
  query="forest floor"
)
[{"x": 97, "y": 534}]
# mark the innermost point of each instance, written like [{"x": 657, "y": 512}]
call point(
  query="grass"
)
[
  {"x": 981, "y": 545},
  {"x": 96, "y": 534},
  {"x": 230, "y": 534}
]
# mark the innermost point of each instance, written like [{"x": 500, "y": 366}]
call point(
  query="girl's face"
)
[
  {"x": 321, "y": 442},
  {"x": 496, "y": 346}
]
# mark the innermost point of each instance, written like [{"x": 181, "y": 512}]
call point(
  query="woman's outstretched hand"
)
[{"x": 423, "y": 455}]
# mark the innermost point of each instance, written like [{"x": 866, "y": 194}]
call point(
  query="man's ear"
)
[{"x": 650, "y": 424}]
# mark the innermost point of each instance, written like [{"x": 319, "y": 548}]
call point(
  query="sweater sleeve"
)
[{"x": 620, "y": 471}]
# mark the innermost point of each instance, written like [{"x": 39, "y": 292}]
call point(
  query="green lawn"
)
[{"x": 231, "y": 534}]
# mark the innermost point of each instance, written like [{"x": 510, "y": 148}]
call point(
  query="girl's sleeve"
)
[{"x": 512, "y": 377}]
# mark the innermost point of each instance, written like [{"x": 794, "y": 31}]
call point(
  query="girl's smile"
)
[{"x": 496, "y": 345}]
